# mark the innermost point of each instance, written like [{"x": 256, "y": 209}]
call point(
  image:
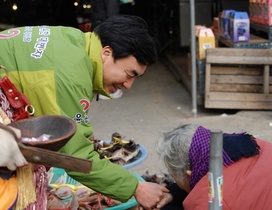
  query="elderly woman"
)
[{"x": 246, "y": 172}]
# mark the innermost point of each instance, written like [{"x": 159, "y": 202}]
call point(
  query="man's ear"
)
[
  {"x": 106, "y": 53},
  {"x": 189, "y": 172}
]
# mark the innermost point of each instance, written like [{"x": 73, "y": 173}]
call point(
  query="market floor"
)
[{"x": 157, "y": 103}]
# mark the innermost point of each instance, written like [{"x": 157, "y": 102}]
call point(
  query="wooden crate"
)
[{"x": 238, "y": 79}]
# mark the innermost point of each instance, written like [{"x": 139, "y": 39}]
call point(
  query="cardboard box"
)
[
  {"x": 251, "y": 10},
  {"x": 256, "y": 12},
  {"x": 204, "y": 39},
  {"x": 224, "y": 23},
  {"x": 259, "y": 12},
  {"x": 215, "y": 25},
  {"x": 267, "y": 12},
  {"x": 240, "y": 27},
  {"x": 220, "y": 27},
  {"x": 197, "y": 28}
]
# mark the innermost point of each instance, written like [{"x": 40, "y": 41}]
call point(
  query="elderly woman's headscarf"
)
[{"x": 235, "y": 146}]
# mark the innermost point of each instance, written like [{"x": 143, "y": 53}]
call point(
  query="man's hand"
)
[
  {"x": 10, "y": 154},
  {"x": 148, "y": 194}
]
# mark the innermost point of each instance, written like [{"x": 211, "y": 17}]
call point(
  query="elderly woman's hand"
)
[
  {"x": 148, "y": 194},
  {"x": 167, "y": 198}
]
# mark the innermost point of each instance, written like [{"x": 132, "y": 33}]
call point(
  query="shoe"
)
[{"x": 117, "y": 94}]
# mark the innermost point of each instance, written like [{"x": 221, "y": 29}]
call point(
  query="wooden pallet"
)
[{"x": 238, "y": 79}]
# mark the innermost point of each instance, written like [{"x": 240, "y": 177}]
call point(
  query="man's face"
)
[{"x": 120, "y": 73}]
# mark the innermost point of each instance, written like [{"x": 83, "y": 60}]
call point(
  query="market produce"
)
[{"x": 117, "y": 150}]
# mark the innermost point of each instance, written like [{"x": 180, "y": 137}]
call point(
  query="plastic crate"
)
[
  {"x": 255, "y": 42},
  {"x": 261, "y": 30}
]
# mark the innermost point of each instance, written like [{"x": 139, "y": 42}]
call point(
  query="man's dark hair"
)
[{"x": 128, "y": 35}]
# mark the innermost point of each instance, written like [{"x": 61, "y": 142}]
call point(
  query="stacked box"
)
[
  {"x": 267, "y": 12},
  {"x": 224, "y": 23},
  {"x": 252, "y": 10},
  {"x": 259, "y": 11},
  {"x": 239, "y": 27},
  {"x": 256, "y": 11},
  {"x": 198, "y": 27},
  {"x": 215, "y": 25},
  {"x": 204, "y": 40},
  {"x": 220, "y": 27}
]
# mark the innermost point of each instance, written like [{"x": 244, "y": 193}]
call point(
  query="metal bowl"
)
[{"x": 60, "y": 129}]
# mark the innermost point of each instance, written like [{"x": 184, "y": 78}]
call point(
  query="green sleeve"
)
[{"x": 105, "y": 177}]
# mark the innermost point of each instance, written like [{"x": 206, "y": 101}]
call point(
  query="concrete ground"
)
[{"x": 158, "y": 103}]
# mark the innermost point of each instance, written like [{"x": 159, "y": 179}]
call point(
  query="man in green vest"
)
[{"x": 60, "y": 69}]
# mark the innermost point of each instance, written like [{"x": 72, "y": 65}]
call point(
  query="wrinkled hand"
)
[
  {"x": 148, "y": 194},
  {"x": 167, "y": 198},
  {"x": 11, "y": 156}
]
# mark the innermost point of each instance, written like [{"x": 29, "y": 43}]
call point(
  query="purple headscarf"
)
[
  {"x": 199, "y": 154},
  {"x": 236, "y": 145}
]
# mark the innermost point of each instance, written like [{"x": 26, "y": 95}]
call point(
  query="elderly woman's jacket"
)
[{"x": 247, "y": 184}]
